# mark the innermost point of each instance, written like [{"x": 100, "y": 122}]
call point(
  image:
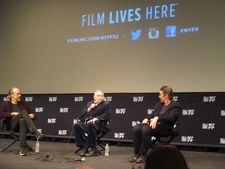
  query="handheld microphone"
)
[
  {"x": 92, "y": 105},
  {"x": 96, "y": 103}
]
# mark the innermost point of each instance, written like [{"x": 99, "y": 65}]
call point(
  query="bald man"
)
[
  {"x": 93, "y": 114},
  {"x": 19, "y": 118}
]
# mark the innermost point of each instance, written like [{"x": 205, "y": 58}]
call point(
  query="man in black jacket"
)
[
  {"x": 161, "y": 121},
  {"x": 19, "y": 117},
  {"x": 93, "y": 115}
]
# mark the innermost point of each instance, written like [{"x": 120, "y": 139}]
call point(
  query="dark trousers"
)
[
  {"x": 24, "y": 125},
  {"x": 85, "y": 135},
  {"x": 142, "y": 134}
]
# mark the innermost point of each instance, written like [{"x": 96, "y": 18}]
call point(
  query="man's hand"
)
[
  {"x": 153, "y": 122},
  {"x": 93, "y": 120},
  {"x": 145, "y": 121},
  {"x": 14, "y": 113},
  {"x": 93, "y": 105},
  {"x": 31, "y": 116}
]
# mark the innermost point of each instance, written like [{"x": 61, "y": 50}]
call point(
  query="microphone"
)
[
  {"x": 96, "y": 103},
  {"x": 92, "y": 105}
]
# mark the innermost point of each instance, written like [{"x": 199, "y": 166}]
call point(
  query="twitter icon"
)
[{"x": 136, "y": 34}]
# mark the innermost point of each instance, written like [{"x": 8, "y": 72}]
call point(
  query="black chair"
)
[
  {"x": 167, "y": 137},
  {"x": 104, "y": 129},
  {"x": 5, "y": 131}
]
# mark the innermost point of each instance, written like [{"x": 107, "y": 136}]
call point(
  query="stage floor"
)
[{"x": 55, "y": 155}]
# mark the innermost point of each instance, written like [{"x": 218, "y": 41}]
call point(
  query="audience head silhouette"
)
[{"x": 165, "y": 157}]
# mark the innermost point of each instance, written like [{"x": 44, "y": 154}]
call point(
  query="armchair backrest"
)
[{"x": 105, "y": 126}]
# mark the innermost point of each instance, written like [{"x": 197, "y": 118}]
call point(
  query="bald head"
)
[{"x": 98, "y": 96}]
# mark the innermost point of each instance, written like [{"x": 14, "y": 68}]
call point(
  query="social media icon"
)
[
  {"x": 135, "y": 35},
  {"x": 171, "y": 31},
  {"x": 153, "y": 33}
]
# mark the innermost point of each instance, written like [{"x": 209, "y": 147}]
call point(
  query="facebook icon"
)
[{"x": 171, "y": 31}]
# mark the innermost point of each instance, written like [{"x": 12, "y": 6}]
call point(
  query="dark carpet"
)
[{"x": 56, "y": 155}]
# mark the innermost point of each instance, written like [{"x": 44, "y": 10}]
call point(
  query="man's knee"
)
[
  {"x": 76, "y": 127},
  {"x": 146, "y": 130},
  {"x": 137, "y": 128},
  {"x": 90, "y": 126},
  {"x": 22, "y": 122}
]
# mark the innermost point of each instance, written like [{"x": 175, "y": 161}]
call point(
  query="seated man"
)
[
  {"x": 93, "y": 114},
  {"x": 161, "y": 121},
  {"x": 20, "y": 117}
]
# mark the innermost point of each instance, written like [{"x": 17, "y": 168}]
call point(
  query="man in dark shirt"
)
[
  {"x": 93, "y": 115},
  {"x": 161, "y": 121},
  {"x": 19, "y": 117}
]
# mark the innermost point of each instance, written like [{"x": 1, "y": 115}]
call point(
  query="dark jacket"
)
[
  {"x": 170, "y": 117},
  {"x": 101, "y": 111},
  {"x": 6, "y": 108}
]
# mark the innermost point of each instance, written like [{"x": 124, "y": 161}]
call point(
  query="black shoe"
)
[
  {"x": 133, "y": 159},
  {"x": 84, "y": 152},
  {"x": 92, "y": 153},
  {"x": 141, "y": 159},
  {"x": 78, "y": 149},
  {"x": 23, "y": 152}
]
